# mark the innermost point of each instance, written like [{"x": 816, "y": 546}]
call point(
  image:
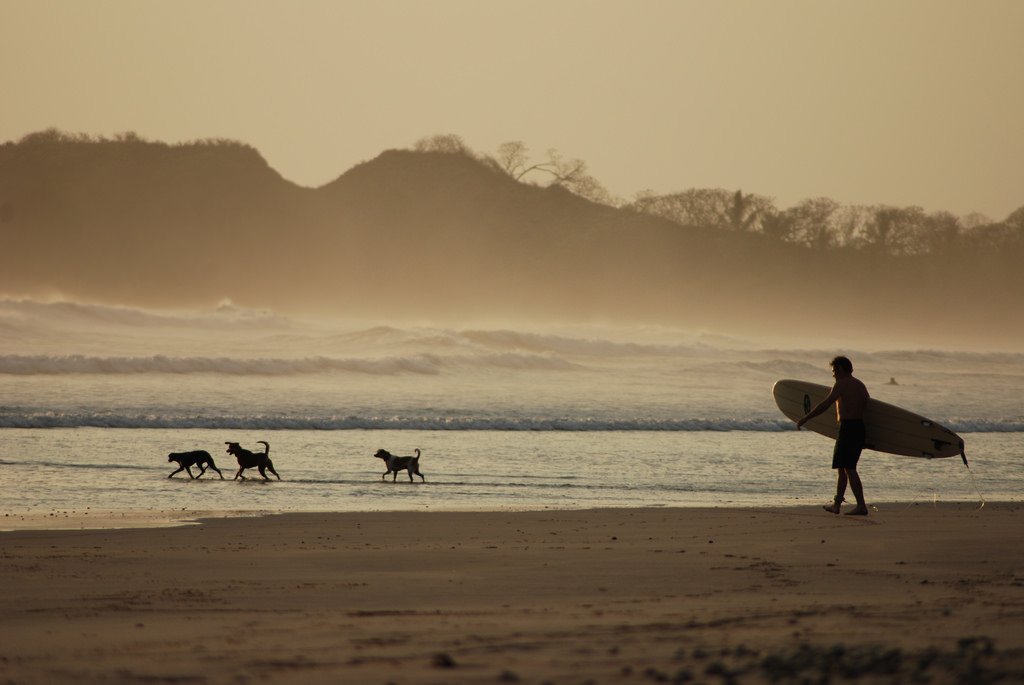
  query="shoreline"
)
[
  {"x": 127, "y": 519},
  {"x": 115, "y": 519},
  {"x": 556, "y": 596}
]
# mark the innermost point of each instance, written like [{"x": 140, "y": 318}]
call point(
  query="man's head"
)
[{"x": 841, "y": 366}]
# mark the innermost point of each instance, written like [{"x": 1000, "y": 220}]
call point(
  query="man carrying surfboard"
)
[{"x": 850, "y": 396}]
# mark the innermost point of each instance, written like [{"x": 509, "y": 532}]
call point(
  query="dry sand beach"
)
[{"x": 908, "y": 594}]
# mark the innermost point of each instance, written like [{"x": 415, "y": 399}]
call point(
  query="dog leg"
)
[{"x": 180, "y": 469}]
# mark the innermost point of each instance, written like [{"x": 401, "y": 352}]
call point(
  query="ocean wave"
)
[
  {"x": 424, "y": 364},
  {"x": 538, "y": 342},
  {"x": 71, "y": 313},
  {"x": 27, "y": 418},
  {"x": 786, "y": 368},
  {"x": 926, "y": 357}
]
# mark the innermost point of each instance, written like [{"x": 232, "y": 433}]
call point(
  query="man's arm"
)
[{"x": 822, "y": 406}]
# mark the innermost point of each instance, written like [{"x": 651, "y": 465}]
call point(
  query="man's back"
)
[{"x": 853, "y": 398}]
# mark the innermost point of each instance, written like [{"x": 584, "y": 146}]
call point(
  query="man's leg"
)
[
  {"x": 858, "y": 492},
  {"x": 840, "y": 491}
]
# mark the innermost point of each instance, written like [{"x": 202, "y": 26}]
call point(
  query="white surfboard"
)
[{"x": 888, "y": 427}]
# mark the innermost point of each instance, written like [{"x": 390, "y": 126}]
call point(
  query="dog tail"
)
[
  {"x": 266, "y": 445},
  {"x": 417, "y": 451}
]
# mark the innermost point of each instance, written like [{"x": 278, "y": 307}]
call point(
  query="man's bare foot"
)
[
  {"x": 858, "y": 511},
  {"x": 834, "y": 507}
]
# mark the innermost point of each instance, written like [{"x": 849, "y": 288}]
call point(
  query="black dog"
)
[
  {"x": 396, "y": 464},
  {"x": 200, "y": 458},
  {"x": 249, "y": 460}
]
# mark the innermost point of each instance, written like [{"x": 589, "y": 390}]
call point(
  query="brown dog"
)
[
  {"x": 395, "y": 464},
  {"x": 186, "y": 460},
  {"x": 249, "y": 460}
]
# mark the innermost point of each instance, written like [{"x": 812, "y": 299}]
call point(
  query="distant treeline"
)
[
  {"x": 53, "y": 136},
  {"x": 818, "y": 223}
]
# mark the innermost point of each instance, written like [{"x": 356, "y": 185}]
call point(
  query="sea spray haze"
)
[{"x": 94, "y": 397}]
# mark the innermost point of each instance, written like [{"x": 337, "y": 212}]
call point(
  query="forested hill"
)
[{"x": 449, "y": 235}]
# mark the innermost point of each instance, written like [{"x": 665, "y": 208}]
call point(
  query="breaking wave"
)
[
  {"x": 427, "y": 364},
  {"x": 67, "y": 313},
  {"x": 33, "y": 418}
]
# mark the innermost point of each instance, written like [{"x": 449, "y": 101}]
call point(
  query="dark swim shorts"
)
[{"x": 849, "y": 444}]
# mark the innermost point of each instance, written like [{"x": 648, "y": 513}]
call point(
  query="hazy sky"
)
[{"x": 897, "y": 102}]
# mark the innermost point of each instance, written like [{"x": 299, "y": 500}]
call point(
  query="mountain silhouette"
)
[{"x": 427, "y": 235}]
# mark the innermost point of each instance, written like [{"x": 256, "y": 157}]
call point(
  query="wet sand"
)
[{"x": 908, "y": 594}]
